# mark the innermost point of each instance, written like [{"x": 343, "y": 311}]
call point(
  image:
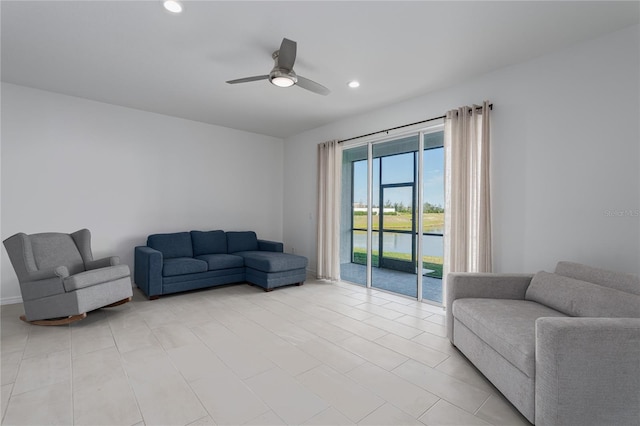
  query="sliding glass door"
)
[
  {"x": 396, "y": 224},
  {"x": 392, "y": 216},
  {"x": 397, "y": 228}
]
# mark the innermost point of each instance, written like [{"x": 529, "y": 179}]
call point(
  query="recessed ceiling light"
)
[
  {"x": 353, "y": 84},
  {"x": 173, "y": 6}
]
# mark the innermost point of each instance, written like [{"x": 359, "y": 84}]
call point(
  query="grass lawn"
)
[
  {"x": 432, "y": 222},
  {"x": 428, "y": 262},
  {"x": 402, "y": 222}
]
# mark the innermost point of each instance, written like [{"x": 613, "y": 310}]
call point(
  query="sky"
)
[{"x": 399, "y": 169}]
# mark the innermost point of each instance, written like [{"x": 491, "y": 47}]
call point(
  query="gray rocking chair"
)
[{"x": 59, "y": 280}]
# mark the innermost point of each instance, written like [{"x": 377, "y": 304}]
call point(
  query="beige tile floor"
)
[{"x": 320, "y": 354}]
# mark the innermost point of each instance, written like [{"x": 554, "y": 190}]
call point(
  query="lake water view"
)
[{"x": 432, "y": 245}]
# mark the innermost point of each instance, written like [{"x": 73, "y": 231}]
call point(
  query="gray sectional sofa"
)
[
  {"x": 563, "y": 347},
  {"x": 182, "y": 261}
]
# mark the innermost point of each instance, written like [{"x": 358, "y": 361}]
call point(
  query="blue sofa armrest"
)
[
  {"x": 148, "y": 270},
  {"x": 265, "y": 245}
]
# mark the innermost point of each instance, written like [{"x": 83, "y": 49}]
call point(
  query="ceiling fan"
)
[{"x": 282, "y": 74}]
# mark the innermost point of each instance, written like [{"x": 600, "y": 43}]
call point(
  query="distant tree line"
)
[
  {"x": 432, "y": 208},
  {"x": 401, "y": 208}
]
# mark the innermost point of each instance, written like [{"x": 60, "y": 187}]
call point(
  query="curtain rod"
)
[{"x": 403, "y": 126}]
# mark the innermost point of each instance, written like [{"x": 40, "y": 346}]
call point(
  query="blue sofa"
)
[{"x": 182, "y": 261}]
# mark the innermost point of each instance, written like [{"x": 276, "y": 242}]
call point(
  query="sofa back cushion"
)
[
  {"x": 623, "y": 282},
  {"x": 173, "y": 245},
  {"x": 579, "y": 298},
  {"x": 242, "y": 241},
  {"x": 209, "y": 242}
]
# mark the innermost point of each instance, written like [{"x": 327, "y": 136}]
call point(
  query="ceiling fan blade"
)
[
  {"x": 311, "y": 85},
  {"x": 248, "y": 79},
  {"x": 287, "y": 54}
]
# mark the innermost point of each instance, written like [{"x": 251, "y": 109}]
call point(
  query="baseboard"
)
[{"x": 10, "y": 300}]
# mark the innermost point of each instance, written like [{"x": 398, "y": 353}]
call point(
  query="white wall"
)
[
  {"x": 70, "y": 163},
  {"x": 565, "y": 156}
]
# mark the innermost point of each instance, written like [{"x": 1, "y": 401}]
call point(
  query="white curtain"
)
[
  {"x": 467, "y": 235},
  {"x": 329, "y": 167}
]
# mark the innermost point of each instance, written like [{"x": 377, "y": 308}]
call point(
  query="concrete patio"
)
[{"x": 394, "y": 281}]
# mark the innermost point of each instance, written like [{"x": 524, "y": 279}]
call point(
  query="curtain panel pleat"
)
[
  {"x": 467, "y": 236},
  {"x": 328, "y": 236}
]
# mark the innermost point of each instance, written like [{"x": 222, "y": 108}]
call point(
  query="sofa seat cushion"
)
[
  {"x": 95, "y": 276},
  {"x": 182, "y": 266},
  {"x": 268, "y": 261},
  {"x": 508, "y": 326},
  {"x": 227, "y": 276},
  {"x": 221, "y": 261}
]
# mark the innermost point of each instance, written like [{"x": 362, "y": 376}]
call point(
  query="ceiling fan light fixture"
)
[
  {"x": 172, "y": 6},
  {"x": 282, "y": 81},
  {"x": 282, "y": 78}
]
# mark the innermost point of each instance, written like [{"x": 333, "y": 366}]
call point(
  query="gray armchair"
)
[{"x": 59, "y": 279}]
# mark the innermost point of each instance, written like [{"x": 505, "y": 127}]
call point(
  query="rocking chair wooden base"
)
[
  {"x": 56, "y": 321},
  {"x": 72, "y": 318},
  {"x": 119, "y": 302}
]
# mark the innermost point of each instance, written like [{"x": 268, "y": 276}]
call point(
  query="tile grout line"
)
[
  {"x": 73, "y": 407},
  {"x": 13, "y": 384},
  {"x": 482, "y": 405},
  {"x": 126, "y": 374}
]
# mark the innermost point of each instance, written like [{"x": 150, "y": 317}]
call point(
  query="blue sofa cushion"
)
[
  {"x": 268, "y": 261},
  {"x": 221, "y": 276},
  {"x": 210, "y": 242},
  {"x": 173, "y": 245},
  {"x": 221, "y": 261},
  {"x": 182, "y": 266},
  {"x": 241, "y": 241}
]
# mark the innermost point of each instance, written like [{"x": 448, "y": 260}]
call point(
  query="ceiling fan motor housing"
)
[{"x": 279, "y": 75}]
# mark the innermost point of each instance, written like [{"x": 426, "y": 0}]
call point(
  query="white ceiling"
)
[{"x": 136, "y": 54}]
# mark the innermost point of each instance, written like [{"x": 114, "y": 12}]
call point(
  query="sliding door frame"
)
[{"x": 418, "y": 188}]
